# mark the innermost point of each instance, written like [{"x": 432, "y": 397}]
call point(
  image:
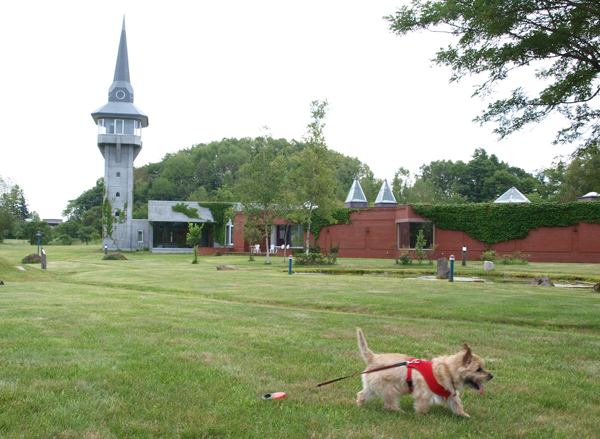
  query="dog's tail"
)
[{"x": 365, "y": 352}]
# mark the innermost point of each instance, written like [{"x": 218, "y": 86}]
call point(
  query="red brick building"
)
[{"x": 381, "y": 232}]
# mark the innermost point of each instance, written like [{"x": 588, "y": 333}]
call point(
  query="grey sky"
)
[{"x": 204, "y": 71}]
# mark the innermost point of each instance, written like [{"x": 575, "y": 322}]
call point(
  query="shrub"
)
[
  {"x": 301, "y": 258},
  {"x": 65, "y": 239},
  {"x": 516, "y": 258},
  {"x": 491, "y": 255},
  {"x": 403, "y": 257}
]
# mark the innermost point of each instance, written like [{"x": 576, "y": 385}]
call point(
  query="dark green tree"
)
[
  {"x": 260, "y": 187},
  {"x": 88, "y": 199},
  {"x": 560, "y": 39},
  {"x": 29, "y": 230},
  {"x": 313, "y": 173}
]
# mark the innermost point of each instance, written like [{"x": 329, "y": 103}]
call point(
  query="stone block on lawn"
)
[
  {"x": 488, "y": 265},
  {"x": 542, "y": 282},
  {"x": 226, "y": 267},
  {"x": 443, "y": 271}
]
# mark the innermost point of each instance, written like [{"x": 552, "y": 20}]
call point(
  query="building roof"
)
[
  {"x": 356, "y": 196},
  {"x": 385, "y": 198},
  {"x": 512, "y": 196},
  {"x": 120, "y": 92},
  {"x": 162, "y": 211}
]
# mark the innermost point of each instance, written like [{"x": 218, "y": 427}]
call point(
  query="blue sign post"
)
[
  {"x": 290, "y": 269},
  {"x": 39, "y": 235},
  {"x": 451, "y": 268}
]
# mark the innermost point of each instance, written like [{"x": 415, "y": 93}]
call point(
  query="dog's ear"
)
[{"x": 468, "y": 355}]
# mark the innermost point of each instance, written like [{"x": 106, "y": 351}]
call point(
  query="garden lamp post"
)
[
  {"x": 464, "y": 260},
  {"x": 39, "y": 235}
]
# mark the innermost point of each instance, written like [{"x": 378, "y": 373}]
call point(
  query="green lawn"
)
[{"x": 157, "y": 347}]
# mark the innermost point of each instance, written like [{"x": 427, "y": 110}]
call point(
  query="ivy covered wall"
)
[{"x": 493, "y": 223}]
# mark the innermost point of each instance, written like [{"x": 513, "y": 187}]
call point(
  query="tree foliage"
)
[
  {"x": 559, "y": 38},
  {"x": 194, "y": 237},
  {"x": 13, "y": 208},
  {"x": 482, "y": 179},
  {"x": 260, "y": 187},
  {"x": 312, "y": 176}
]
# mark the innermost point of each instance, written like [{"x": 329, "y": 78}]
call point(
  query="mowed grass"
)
[{"x": 157, "y": 347}]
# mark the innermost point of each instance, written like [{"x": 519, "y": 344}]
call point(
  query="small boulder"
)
[
  {"x": 226, "y": 267},
  {"x": 1, "y": 282},
  {"x": 542, "y": 282},
  {"x": 114, "y": 257},
  {"x": 443, "y": 271},
  {"x": 488, "y": 265},
  {"x": 33, "y": 258}
]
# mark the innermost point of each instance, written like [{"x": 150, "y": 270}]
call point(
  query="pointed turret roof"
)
[
  {"x": 385, "y": 198},
  {"x": 120, "y": 93},
  {"x": 121, "y": 79},
  {"x": 512, "y": 196},
  {"x": 356, "y": 196}
]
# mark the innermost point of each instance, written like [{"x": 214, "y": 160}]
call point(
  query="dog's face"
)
[{"x": 471, "y": 369}]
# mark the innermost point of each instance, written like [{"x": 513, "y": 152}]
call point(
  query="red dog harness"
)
[{"x": 425, "y": 368}]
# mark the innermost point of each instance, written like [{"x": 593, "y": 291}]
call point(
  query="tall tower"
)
[{"x": 120, "y": 126}]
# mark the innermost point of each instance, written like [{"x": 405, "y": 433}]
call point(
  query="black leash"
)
[
  {"x": 404, "y": 363},
  {"x": 281, "y": 395}
]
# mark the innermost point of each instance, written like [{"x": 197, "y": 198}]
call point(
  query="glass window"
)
[
  {"x": 427, "y": 229},
  {"x": 119, "y": 126},
  {"x": 137, "y": 128},
  {"x": 140, "y": 236},
  {"x": 128, "y": 126},
  {"x": 118, "y": 194},
  {"x": 101, "y": 127},
  {"x": 110, "y": 126},
  {"x": 296, "y": 236},
  {"x": 118, "y": 175}
]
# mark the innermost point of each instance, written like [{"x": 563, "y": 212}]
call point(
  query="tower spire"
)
[
  {"x": 122, "y": 68},
  {"x": 121, "y": 89}
]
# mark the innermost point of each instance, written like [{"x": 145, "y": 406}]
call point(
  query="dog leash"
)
[
  {"x": 404, "y": 363},
  {"x": 281, "y": 395}
]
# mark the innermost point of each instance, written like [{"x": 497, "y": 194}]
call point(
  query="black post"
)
[{"x": 464, "y": 260}]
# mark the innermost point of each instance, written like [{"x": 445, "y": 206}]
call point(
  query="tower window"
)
[
  {"x": 118, "y": 194},
  {"x": 120, "y": 126},
  {"x": 118, "y": 175}
]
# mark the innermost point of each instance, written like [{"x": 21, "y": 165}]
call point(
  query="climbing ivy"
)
[
  {"x": 190, "y": 212},
  {"x": 109, "y": 220},
  {"x": 493, "y": 223},
  {"x": 221, "y": 213},
  {"x": 340, "y": 215}
]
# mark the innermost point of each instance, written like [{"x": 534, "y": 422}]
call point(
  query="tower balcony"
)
[{"x": 122, "y": 131}]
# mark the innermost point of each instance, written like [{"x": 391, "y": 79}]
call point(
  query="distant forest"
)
[{"x": 209, "y": 172}]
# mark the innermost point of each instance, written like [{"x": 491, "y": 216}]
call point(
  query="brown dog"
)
[{"x": 451, "y": 372}]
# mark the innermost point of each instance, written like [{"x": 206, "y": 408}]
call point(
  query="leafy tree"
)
[
  {"x": 68, "y": 228},
  {"x": 30, "y": 229},
  {"x": 567, "y": 180},
  {"x": 194, "y": 237},
  {"x": 85, "y": 234},
  {"x": 370, "y": 185},
  {"x": 261, "y": 186},
  {"x": 312, "y": 176},
  {"x": 420, "y": 254},
  {"x": 7, "y": 221},
  {"x": 88, "y": 199},
  {"x": 561, "y": 38}
]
